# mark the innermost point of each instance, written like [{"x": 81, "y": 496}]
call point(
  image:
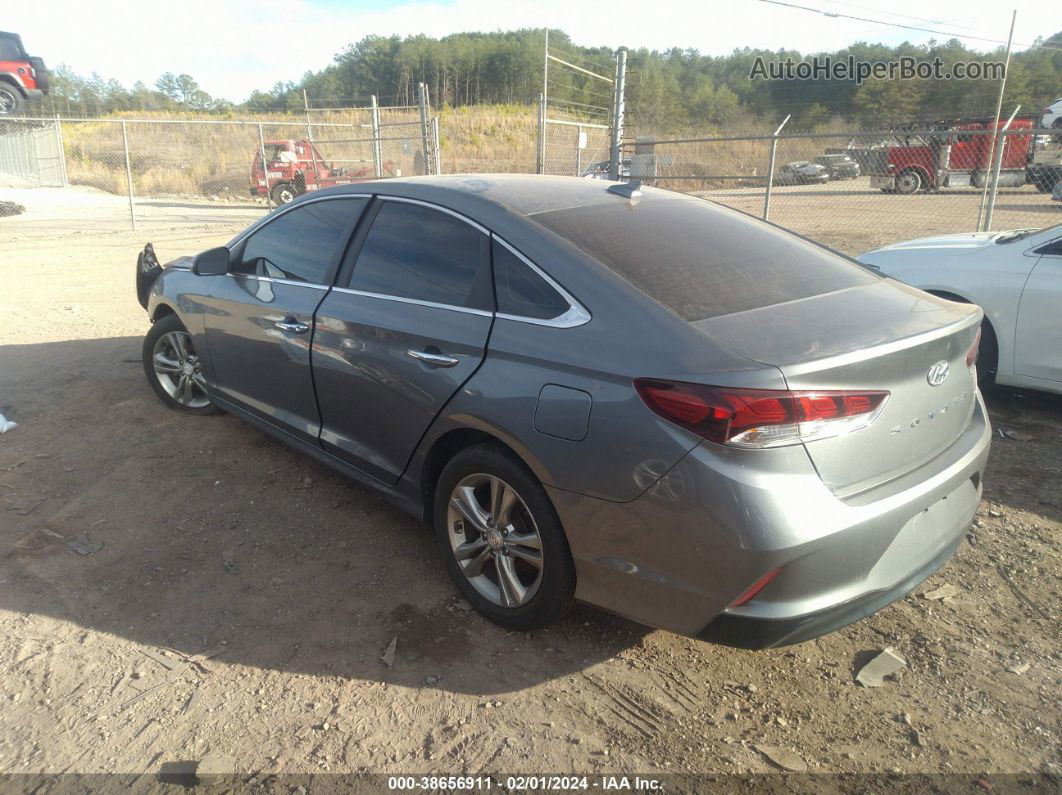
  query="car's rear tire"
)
[
  {"x": 10, "y": 99},
  {"x": 283, "y": 194},
  {"x": 173, "y": 368},
  {"x": 502, "y": 540}
]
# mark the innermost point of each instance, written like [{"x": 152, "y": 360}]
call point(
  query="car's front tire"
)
[
  {"x": 173, "y": 368},
  {"x": 502, "y": 540}
]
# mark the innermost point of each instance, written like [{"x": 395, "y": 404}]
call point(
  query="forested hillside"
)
[{"x": 666, "y": 89}]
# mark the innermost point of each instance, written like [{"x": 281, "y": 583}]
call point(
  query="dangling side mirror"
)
[{"x": 212, "y": 262}]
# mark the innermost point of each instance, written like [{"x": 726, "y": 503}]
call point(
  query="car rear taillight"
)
[
  {"x": 971, "y": 355},
  {"x": 760, "y": 417}
]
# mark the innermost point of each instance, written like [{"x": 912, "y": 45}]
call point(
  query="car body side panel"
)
[
  {"x": 181, "y": 291},
  {"x": 1038, "y": 337},
  {"x": 375, "y": 400},
  {"x": 626, "y": 447},
  {"x": 257, "y": 364}
]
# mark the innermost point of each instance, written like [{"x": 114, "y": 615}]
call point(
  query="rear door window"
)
[
  {"x": 303, "y": 243},
  {"x": 699, "y": 259},
  {"x": 424, "y": 254}
]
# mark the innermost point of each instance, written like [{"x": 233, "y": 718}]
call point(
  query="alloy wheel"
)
[
  {"x": 179, "y": 371},
  {"x": 495, "y": 540}
]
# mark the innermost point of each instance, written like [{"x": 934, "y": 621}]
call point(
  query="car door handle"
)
[
  {"x": 435, "y": 359},
  {"x": 292, "y": 325}
]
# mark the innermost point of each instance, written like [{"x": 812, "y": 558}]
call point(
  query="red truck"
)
[
  {"x": 954, "y": 154},
  {"x": 22, "y": 76},
  {"x": 295, "y": 167}
]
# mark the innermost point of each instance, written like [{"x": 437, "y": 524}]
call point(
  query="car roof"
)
[{"x": 482, "y": 195}]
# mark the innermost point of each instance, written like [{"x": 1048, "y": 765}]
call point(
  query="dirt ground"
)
[{"x": 205, "y": 537}]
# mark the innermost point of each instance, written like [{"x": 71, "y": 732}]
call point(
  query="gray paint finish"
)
[
  {"x": 664, "y": 526},
  {"x": 563, "y": 412}
]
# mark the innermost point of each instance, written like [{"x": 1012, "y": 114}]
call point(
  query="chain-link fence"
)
[
  {"x": 851, "y": 190},
  {"x": 168, "y": 171},
  {"x": 858, "y": 190}
]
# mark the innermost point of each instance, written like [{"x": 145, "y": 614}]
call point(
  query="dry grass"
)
[{"x": 172, "y": 155}]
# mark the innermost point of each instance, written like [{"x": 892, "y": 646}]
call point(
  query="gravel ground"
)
[{"x": 204, "y": 537}]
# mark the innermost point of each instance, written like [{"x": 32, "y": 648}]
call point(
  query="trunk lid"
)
[{"x": 884, "y": 335}]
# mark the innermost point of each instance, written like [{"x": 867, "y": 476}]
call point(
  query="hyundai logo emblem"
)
[{"x": 938, "y": 373}]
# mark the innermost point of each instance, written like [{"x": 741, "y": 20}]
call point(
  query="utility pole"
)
[{"x": 995, "y": 124}]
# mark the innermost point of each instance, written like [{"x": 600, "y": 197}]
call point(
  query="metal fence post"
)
[
  {"x": 540, "y": 149},
  {"x": 998, "y": 159},
  {"x": 377, "y": 150},
  {"x": 309, "y": 140},
  {"x": 578, "y": 151},
  {"x": 128, "y": 173},
  {"x": 770, "y": 171},
  {"x": 422, "y": 102},
  {"x": 435, "y": 144},
  {"x": 614, "y": 158},
  {"x": 62, "y": 152},
  {"x": 265, "y": 166}
]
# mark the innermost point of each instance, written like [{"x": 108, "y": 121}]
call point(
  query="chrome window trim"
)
[
  {"x": 273, "y": 215},
  {"x": 274, "y": 280},
  {"x": 440, "y": 208},
  {"x": 415, "y": 301},
  {"x": 577, "y": 314}
]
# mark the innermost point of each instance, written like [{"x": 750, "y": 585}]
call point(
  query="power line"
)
[
  {"x": 894, "y": 14},
  {"x": 834, "y": 14}
]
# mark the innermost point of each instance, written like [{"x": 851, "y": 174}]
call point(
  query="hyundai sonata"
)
[{"x": 631, "y": 397}]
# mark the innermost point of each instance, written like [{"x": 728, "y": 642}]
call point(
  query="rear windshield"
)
[{"x": 701, "y": 260}]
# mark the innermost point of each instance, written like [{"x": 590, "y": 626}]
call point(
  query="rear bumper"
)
[
  {"x": 746, "y": 632},
  {"x": 677, "y": 556},
  {"x": 33, "y": 93}
]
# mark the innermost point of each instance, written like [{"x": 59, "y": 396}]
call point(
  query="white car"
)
[
  {"x": 1016, "y": 277},
  {"x": 1052, "y": 115}
]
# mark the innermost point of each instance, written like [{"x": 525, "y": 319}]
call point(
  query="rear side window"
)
[
  {"x": 522, "y": 292},
  {"x": 420, "y": 253},
  {"x": 302, "y": 243},
  {"x": 701, "y": 260}
]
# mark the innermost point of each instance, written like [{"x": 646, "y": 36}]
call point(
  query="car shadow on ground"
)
[{"x": 204, "y": 533}]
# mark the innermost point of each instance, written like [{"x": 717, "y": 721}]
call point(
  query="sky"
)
[{"x": 232, "y": 47}]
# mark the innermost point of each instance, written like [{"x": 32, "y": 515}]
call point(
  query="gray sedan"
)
[{"x": 634, "y": 398}]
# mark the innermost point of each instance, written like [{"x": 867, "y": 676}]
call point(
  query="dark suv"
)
[{"x": 22, "y": 76}]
